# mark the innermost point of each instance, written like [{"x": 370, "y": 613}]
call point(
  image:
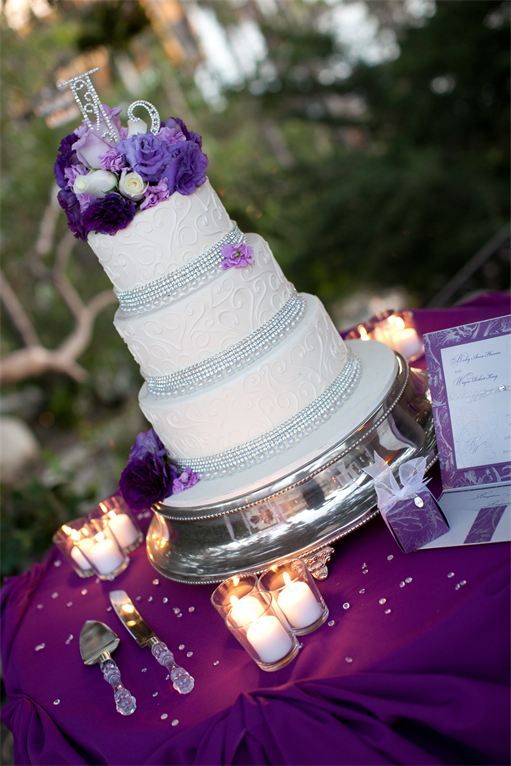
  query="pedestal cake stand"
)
[{"x": 299, "y": 501}]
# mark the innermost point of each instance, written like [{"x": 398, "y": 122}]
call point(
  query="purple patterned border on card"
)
[
  {"x": 485, "y": 524},
  {"x": 434, "y": 342}
]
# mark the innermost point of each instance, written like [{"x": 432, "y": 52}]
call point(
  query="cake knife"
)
[{"x": 136, "y": 626}]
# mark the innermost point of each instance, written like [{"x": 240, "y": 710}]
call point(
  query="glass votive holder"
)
[
  {"x": 266, "y": 638},
  {"x": 295, "y": 595},
  {"x": 122, "y": 524},
  {"x": 70, "y": 538},
  {"x": 240, "y": 594},
  {"x": 105, "y": 555},
  {"x": 398, "y": 331},
  {"x": 361, "y": 332}
]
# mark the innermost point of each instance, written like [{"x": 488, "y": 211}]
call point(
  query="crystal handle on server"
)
[
  {"x": 125, "y": 702},
  {"x": 182, "y": 681}
]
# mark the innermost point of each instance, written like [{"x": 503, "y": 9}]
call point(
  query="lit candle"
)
[
  {"x": 245, "y": 610},
  {"x": 76, "y": 553},
  {"x": 298, "y": 603},
  {"x": 104, "y": 554},
  {"x": 364, "y": 335},
  {"x": 123, "y": 528},
  {"x": 269, "y": 638},
  {"x": 405, "y": 340}
]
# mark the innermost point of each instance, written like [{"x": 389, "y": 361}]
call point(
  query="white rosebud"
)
[
  {"x": 132, "y": 185},
  {"x": 136, "y": 125},
  {"x": 97, "y": 183}
]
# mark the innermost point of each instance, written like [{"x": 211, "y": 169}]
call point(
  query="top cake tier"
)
[{"x": 163, "y": 238}]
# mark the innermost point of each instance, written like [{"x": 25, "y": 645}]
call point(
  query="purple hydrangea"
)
[
  {"x": 113, "y": 160},
  {"x": 71, "y": 173},
  {"x": 154, "y": 194},
  {"x": 147, "y": 155},
  {"x": 109, "y": 214},
  {"x": 237, "y": 256},
  {"x": 185, "y": 480},
  {"x": 68, "y": 201},
  {"x": 66, "y": 157}
]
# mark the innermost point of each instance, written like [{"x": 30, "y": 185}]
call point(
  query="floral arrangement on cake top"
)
[
  {"x": 150, "y": 476},
  {"x": 103, "y": 184}
]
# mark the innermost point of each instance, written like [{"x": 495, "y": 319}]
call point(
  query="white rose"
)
[
  {"x": 97, "y": 183},
  {"x": 132, "y": 185},
  {"x": 136, "y": 125}
]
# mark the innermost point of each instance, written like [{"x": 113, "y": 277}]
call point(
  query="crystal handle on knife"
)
[
  {"x": 125, "y": 702},
  {"x": 182, "y": 681}
]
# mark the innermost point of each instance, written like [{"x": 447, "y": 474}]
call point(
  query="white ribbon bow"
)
[{"x": 388, "y": 491}]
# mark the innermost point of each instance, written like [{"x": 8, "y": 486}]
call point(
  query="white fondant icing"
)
[
  {"x": 208, "y": 320},
  {"x": 163, "y": 238},
  {"x": 265, "y": 394}
]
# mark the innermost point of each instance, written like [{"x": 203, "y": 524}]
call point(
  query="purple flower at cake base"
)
[
  {"x": 147, "y": 155},
  {"x": 68, "y": 201},
  {"x": 109, "y": 214},
  {"x": 155, "y": 194},
  {"x": 145, "y": 481},
  {"x": 185, "y": 480},
  {"x": 90, "y": 148},
  {"x": 187, "y": 168},
  {"x": 147, "y": 442},
  {"x": 113, "y": 160},
  {"x": 66, "y": 157},
  {"x": 237, "y": 256}
]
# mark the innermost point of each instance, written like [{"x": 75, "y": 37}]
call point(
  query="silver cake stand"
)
[{"x": 302, "y": 511}]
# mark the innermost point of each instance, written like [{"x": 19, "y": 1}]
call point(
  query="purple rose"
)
[
  {"x": 171, "y": 133},
  {"x": 188, "y": 134},
  {"x": 68, "y": 201},
  {"x": 187, "y": 168},
  {"x": 185, "y": 480},
  {"x": 237, "y": 256},
  {"x": 147, "y": 155},
  {"x": 65, "y": 158},
  {"x": 146, "y": 480},
  {"x": 155, "y": 194},
  {"x": 147, "y": 442},
  {"x": 109, "y": 214},
  {"x": 90, "y": 148}
]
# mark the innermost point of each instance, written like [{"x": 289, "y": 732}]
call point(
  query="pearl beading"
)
[
  {"x": 283, "y": 436},
  {"x": 234, "y": 358},
  {"x": 180, "y": 282}
]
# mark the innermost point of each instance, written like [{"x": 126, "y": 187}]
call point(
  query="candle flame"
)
[
  {"x": 364, "y": 335},
  {"x": 287, "y": 578},
  {"x": 396, "y": 322},
  {"x": 73, "y": 533},
  {"x": 235, "y": 580}
]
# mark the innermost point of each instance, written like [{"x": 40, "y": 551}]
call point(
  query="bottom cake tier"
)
[{"x": 301, "y": 500}]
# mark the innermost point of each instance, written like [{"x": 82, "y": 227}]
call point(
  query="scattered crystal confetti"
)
[
  {"x": 40, "y": 606},
  {"x": 346, "y": 605},
  {"x": 408, "y": 580},
  {"x": 155, "y": 694},
  {"x": 165, "y": 600},
  {"x": 57, "y": 563},
  {"x": 365, "y": 571},
  {"x": 167, "y": 677},
  {"x": 109, "y": 609},
  {"x": 55, "y": 595},
  {"x": 138, "y": 598},
  {"x": 331, "y": 623},
  {"x": 69, "y": 603},
  {"x": 39, "y": 647},
  {"x": 349, "y": 660},
  {"x": 450, "y": 574},
  {"x": 150, "y": 598},
  {"x": 56, "y": 702},
  {"x": 164, "y": 716},
  {"x": 143, "y": 670},
  {"x": 382, "y": 601},
  {"x": 176, "y": 609},
  {"x": 97, "y": 580},
  {"x": 364, "y": 565},
  {"x": 84, "y": 591},
  {"x": 69, "y": 639},
  {"x": 362, "y": 591},
  {"x": 300, "y": 645},
  {"x": 463, "y": 582},
  {"x": 189, "y": 654},
  {"x": 191, "y": 609},
  {"x": 388, "y": 611},
  {"x": 179, "y": 615},
  {"x": 216, "y": 662},
  {"x": 140, "y": 515},
  {"x": 175, "y": 722},
  {"x": 156, "y": 581},
  {"x": 402, "y": 584},
  {"x": 390, "y": 557},
  {"x": 181, "y": 646}
]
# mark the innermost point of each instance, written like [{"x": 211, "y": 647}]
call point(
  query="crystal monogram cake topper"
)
[{"x": 95, "y": 114}]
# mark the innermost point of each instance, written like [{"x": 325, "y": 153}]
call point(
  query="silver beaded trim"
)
[
  {"x": 182, "y": 281},
  {"x": 283, "y": 436},
  {"x": 236, "y": 357}
]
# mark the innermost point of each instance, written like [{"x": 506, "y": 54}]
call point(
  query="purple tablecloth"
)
[{"x": 411, "y": 668}]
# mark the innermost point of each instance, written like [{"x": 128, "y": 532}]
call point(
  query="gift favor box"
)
[{"x": 416, "y": 521}]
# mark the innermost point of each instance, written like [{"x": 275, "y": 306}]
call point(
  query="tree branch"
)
[{"x": 17, "y": 313}]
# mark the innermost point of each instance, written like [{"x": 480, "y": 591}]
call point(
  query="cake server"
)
[
  {"x": 132, "y": 620},
  {"x": 97, "y": 642}
]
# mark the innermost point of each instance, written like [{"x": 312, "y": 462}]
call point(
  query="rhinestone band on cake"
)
[
  {"x": 236, "y": 357},
  {"x": 180, "y": 282},
  {"x": 284, "y": 435}
]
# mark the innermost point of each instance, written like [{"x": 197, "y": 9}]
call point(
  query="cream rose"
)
[
  {"x": 132, "y": 185},
  {"x": 97, "y": 183}
]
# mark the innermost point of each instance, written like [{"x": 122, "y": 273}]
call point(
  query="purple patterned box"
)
[{"x": 416, "y": 521}]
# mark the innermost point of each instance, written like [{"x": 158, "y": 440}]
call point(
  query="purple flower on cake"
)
[
  {"x": 68, "y": 201},
  {"x": 188, "y": 134},
  {"x": 171, "y": 132},
  {"x": 113, "y": 160},
  {"x": 71, "y": 173},
  {"x": 109, "y": 214},
  {"x": 154, "y": 194},
  {"x": 66, "y": 158},
  {"x": 132, "y": 185},
  {"x": 146, "y": 155},
  {"x": 237, "y": 256},
  {"x": 187, "y": 168},
  {"x": 149, "y": 476},
  {"x": 90, "y": 148}
]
